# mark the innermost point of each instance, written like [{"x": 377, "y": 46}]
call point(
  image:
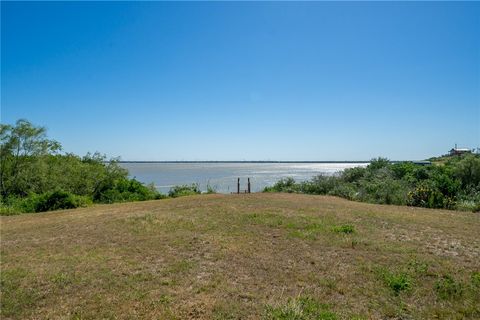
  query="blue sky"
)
[{"x": 245, "y": 81}]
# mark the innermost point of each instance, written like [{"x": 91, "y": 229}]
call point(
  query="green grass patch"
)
[
  {"x": 300, "y": 226},
  {"x": 303, "y": 227},
  {"x": 396, "y": 281},
  {"x": 447, "y": 287},
  {"x": 17, "y": 293},
  {"x": 302, "y": 308},
  {"x": 268, "y": 219},
  {"x": 180, "y": 267},
  {"x": 345, "y": 228},
  {"x": 476, "y": 280}
]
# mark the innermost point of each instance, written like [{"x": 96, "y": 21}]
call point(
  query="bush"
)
[
  {"x": 8, "y": 210},
  {"x": 427, "y": 195},
  {"x": 452, "y": 184},
  {"x": 55, "y": 200},
  {"x": 320, "y": 184},
  {"x": 123, "y": 190},
  {"x": 345, "y": 190},
  {"x": 378, "y": 163},
  {"x": 284, "y": 185},
  {"x": 382, "y": 187},
  {"x": 353, "y": 174},
  {"x": 184, "y": 190},
  {"x": 467, "y": 170}
]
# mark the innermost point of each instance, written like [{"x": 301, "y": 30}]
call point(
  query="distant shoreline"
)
[
  {"x": 141, "y": 161},
  {"x": 423, "y": 162}
]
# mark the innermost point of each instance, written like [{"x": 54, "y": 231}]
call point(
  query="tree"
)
[
  {"x": 21, "y": 146},
  {"x": 468, "y": 171}
]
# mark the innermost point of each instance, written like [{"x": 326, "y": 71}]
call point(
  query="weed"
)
[
  {"x": 346, "y": 228},
  {"x": 476, "y": 279},
  {"x": 354, "y": 243},
  {"x": 330, "y": 283},
  {"x": 303, "y": 308},
  {"x": 418, "y": 267},
  {"x": 164, "y": 299},
  {"x": 397, "y": 281},
  {"x": 446, "y": 287}
]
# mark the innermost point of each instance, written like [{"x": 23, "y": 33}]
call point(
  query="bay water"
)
[{"x": 223, "y": 176}]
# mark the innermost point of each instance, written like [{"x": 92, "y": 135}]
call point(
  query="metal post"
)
[
  {"x": 248, "y": 185},
  {"x": 238, "y": 185}
]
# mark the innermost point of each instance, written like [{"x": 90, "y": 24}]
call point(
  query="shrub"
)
[
  {"x": 344, "y": 190},
  {"x": 284, "y": 185},
  {"x": 55, "y": 200},
  {"x": 378, "y": 163},
  {"x": 184, "y": 190},
  {"x": 353, "y": 174},
  {"x": 381, "y": 187},
  {"x": 453, "y": 184},
  {"x": 467, "y": 170},
  {"x": 320, "y": 184},
  {"x": 124, "y": 189},
  {"x": 404, "y": 170},
  {"x": 8, "y": 210},
  {"x": 468, "y": 205},
  {"x": 427, "y": 195}
]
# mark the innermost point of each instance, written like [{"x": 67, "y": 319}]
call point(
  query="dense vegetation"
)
[
  {"x": 452, "y": 184},
  {"x": 35, "y": 176}
]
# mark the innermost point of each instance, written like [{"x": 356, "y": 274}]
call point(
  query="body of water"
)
[{"x": 223, "y": 176}]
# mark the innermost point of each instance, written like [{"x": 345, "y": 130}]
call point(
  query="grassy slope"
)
[{"x": 232, "y": 256}]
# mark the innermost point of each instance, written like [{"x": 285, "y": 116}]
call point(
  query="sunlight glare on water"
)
[{"x": 223, "y": 176}]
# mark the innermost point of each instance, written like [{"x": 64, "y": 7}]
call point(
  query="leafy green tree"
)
[
  {"x": 378, "y": 163},
  {"x": 21, "y": 147},
  {"x": 467, "y": 170},
  {"x": 34, "y": 176}
]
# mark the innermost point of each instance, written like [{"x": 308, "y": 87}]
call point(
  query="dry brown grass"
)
[{"x": 240, "y": 257}]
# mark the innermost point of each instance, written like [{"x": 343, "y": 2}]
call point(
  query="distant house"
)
[{"x": 458, "y": 151}]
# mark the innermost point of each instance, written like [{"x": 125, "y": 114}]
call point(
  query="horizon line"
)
[{"x": 259, "y": 161}]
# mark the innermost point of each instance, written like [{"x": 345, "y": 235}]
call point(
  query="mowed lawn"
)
[{"x": 257, "y": 256}]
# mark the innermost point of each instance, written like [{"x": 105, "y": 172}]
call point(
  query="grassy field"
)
[{"x": 257, "y": 256}]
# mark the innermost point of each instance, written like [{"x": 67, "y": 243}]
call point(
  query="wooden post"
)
[
  {"x": 248, "y": 185},
  {"x": 238, "y": 185}
]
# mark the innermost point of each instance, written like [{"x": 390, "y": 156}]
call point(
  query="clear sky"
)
[{"x": 245, "y": 81}]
